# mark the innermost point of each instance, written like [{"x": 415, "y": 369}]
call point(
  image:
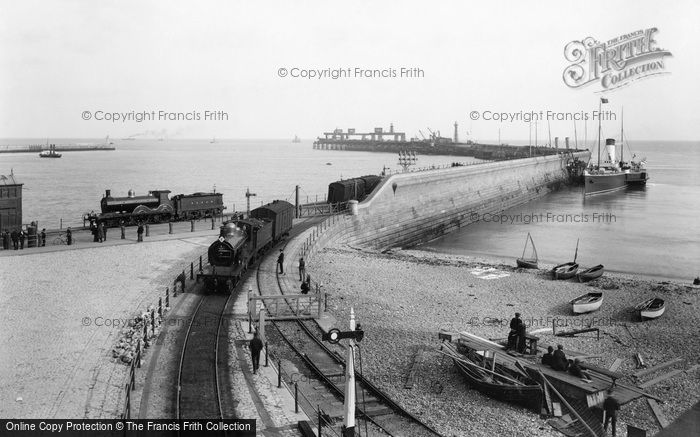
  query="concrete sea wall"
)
[{"x": 410, "y": 208}]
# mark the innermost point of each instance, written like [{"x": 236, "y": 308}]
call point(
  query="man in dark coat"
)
[
  {"x": 280, "y": 262},
  {"x": 611, "y": 406},
  {"x": 559, "y": 361},
  {"x": 302, "y": 269},
  {"x": 548, "y": 357},
  {"x": 22, "y": 236},
  {"x": 576, "y": 370},
  {"x": 515, "y": 328},
  {"x": 305, "y": 287},
  {"x": 43, "y": 237},
  {"x": 256, "y": 345},
  {"x": 69, "y": 236},
  {"x": 139, "y": 233},
  {"x": 15, "y": 239}
]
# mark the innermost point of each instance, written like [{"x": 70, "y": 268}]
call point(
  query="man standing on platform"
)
[
  {"x": 256, "y": 345},
  {"x": 139, "y": 233},
  {"x": 611, "y": 406},
  {"x": 15, "y": 239},
  {"x": 280, "y": 262},
  {"x": 69, "y": 237},
  {"x": 302, "y": 269},
  {"x": 43, "y": 237}
]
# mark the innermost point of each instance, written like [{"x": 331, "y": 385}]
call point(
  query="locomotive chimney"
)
[
  {"x": 131, "y": 193},
  {"x": 108, "y": 193}
]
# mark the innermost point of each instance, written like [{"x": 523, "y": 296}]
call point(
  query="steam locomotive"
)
[
  {"x": 242, "y": 241},
  {"x": 156, "y": 207}
]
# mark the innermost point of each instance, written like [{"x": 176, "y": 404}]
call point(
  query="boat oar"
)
[
  {"x": 461, "y": 360},
  {"x": 576, "y": 254}
]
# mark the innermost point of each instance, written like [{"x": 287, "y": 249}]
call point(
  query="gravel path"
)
[
  {"x": 404, "y": 298},
  {"x": 61, "y": 314}
]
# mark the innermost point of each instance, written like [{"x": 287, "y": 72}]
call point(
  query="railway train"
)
[
  {"x": 156, "y": 207},
  {"x": 242, "y": 241},
  {"x": 352, "y": 189}
]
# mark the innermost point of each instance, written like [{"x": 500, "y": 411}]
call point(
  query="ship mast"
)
[
  {"x": 600, "y": 108},
  {"x": 622, "y": 135}
]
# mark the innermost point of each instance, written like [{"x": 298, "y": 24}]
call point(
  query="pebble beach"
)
[{"x": 405, "y": 297}]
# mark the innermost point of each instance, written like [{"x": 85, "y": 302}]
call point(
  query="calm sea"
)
[{"x": 654, "y": 231}]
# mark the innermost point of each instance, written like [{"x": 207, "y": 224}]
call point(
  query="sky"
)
[{"x": 66, "y": 66}]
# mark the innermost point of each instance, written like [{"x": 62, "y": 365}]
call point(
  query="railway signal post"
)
[{"x": 333, "y": 336}]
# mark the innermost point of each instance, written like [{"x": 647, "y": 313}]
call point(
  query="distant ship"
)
[
  {"x": 296, "y": 139},
  {"x": 213, "y": 140},
  {"x": 613, "y": 174},
  {"x": 51, "y": 153}
]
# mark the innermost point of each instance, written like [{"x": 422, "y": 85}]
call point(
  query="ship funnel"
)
[
  {"x": 131, "y": 193},
  {"x": 610, "y": 148},
  {"x": 108, "y": 193}
]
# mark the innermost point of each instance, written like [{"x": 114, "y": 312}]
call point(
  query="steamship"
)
[{"x": 613, "y": 175}]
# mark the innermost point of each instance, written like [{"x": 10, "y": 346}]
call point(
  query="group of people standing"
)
[
  {"x": 99, "y": 231},
  {"x": 17, "y": 237},
  {"x": 303, "y": 277}
]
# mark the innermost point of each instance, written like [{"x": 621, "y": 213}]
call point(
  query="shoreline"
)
[
  {"x": 404, "y": 297},
  {"x": 503, "y": 259}
]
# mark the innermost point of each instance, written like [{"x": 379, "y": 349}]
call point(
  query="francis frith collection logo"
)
[{"x": 614, "y": 63}]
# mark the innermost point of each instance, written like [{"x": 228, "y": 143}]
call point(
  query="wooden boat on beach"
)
[
  {"x": 590, "y": 274},
  {"x": 493, "y": 379},
  {"x": 651, "y": 309},
  {"x": 531, "y": 261},
  {"x": 566, "y": 270},
  {"x": 587, "y": 302}
]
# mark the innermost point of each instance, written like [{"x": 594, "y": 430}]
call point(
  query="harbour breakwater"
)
[
  {"x": 36, "y": 148},
  {"x": 410, "y": 208}
]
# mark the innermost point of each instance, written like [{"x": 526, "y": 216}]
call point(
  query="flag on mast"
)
[{"x": 603, "y": 100}]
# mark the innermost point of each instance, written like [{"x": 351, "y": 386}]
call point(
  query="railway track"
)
[
  {"x": 202, "y": 375},
  {"x": 327, "y": 367},
  {"x": 199, "y": 383}
]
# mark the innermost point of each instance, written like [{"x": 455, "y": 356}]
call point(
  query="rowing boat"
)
[
  {"x": 590, "y": 274},
  {"x": 587, "y": 302},
  {"x": 565, "y": 271},
  {"x": 652, "y": 308},
  {"x": 494, "y": 379}
]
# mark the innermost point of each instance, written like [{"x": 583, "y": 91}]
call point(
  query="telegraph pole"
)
[{"x": 248, "y": 195}]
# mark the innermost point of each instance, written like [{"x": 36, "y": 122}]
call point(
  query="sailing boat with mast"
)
[
  {"x": 613, "y": 175},
  {"x": 531, "y": 261},
  {"x": 566, "y": 270}
]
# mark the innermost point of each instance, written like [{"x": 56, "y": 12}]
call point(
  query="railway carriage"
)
[{"x": 352, "y": 189}]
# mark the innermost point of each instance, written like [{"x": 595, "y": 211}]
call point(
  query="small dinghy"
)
[
  {"x": 590, "y": 274},
  {"x": 651, "y": 309},
  {"x": 587, "y": 303},
  {"x": 531, "y": 261},
  {"x": 565, "y": 271}
]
